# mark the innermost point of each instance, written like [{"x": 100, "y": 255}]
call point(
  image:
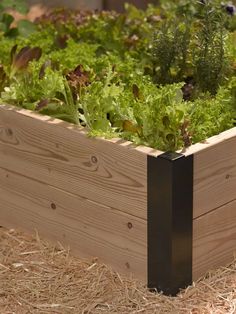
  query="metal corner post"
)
[{"x": 170, "y": 218}]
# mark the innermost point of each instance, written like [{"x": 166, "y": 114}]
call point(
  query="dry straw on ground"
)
[{"x": 36, "y": 277}]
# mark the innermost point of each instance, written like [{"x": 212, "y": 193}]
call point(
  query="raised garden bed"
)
[
  {"x": 161, "y": 207},
  {"x": 131, "y": 207}
]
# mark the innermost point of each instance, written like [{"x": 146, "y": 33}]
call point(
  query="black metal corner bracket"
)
[{"x": 170, "y": 217}]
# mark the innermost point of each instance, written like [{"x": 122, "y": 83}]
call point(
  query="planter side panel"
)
[
  {"x": 89, "y": 194},
  {"x": 60, "y": 155},
  {"x": 214, "y": 239},
  {"x": 215, "y": 173},
  {"x": 91, "y": 230}
]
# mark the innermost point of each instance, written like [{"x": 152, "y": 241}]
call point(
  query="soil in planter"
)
[{"x": 163, "y": 77}]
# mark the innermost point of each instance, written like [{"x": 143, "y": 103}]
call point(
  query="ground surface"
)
[{"x": 36, "y": 277}]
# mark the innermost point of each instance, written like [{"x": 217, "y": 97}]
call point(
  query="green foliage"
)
[
  {"x": 75, "y": 53},
  {"x": 18, "y": 5},
  {"x": 43, "y": 38},
  {"x": 64, "y": 21},
  {"x": 203, "y": 111},
  {"x": 210, "y": 57},
  {"x": 5, "y": 22},
  {"x": 164, "y": 77},
  {"x": 28, "y": 87},
  {"x": 159, "y": 114},
  {"x": 193, "y": 45},
  {"x": 24, "y": 27},
  {"x": 100, "y": 101},
  {"x": 171, "y": 43},
  {"x": 6, "y": 44}
]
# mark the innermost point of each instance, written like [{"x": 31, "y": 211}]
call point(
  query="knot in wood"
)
[
  {"x": 130, "y": 225},
  {"x": 9, "y": 132},
  {"x": 94, "y": 159},
  {"x": 53, "y": 206}
]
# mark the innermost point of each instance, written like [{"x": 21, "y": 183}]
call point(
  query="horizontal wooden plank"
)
[
  {"x": 212, "y": 141},
  {"x": 214, "y": 176},
  {"x": 214, "y": 239},
  {"x": 61, "y": 155},
  {"x": 91, "y": 230}
]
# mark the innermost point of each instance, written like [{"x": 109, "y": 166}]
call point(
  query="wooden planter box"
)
[{"x": 165, "y": 218}]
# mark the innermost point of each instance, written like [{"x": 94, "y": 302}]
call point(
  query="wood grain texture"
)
[
  {"x": 90, "y": 229},
  {"x": 214, "y": 176},
  {"x": 92, "y": 193},
  {"x": 62, "y": 156},
  {"x": 212, "y": 141},
  {"x": 214, "y": 239}
]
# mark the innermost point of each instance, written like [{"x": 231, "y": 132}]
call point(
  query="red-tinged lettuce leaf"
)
[
  {"x": 136, "y": 91},
  {"x": 63, "y": 17},
  {"x": 61, "y": 41},
  {"x": 47, "y": 64},
  {"x": 3, "y": 78},
  {"x": 42, "y": 104},
  {"x": 132, "y": 41},
  {"x": 24, "y": 56},
  {"x": 13, "y": 53},
  {"x": 128, "y": 126},
  {"x": 78, "y": 78},
  {"x": 21, "y": 53},
  {"x": 186, "y": 135}
]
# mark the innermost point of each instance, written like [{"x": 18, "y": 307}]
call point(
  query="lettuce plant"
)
[{"x": 164, "y": 77}]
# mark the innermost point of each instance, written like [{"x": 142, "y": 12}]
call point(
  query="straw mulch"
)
[{"x": 36, "y": 277}]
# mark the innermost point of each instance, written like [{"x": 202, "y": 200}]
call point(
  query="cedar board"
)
[{"x": 91, "y": 194}]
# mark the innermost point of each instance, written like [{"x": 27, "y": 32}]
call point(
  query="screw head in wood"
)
[
  {"x": 130, "y": 225},
  {"x": 53, "y": 206},
  {"x": 94, "y": 159}
]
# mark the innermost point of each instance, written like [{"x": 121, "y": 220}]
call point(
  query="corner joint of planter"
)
[{"x": 170, "y": 216}]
